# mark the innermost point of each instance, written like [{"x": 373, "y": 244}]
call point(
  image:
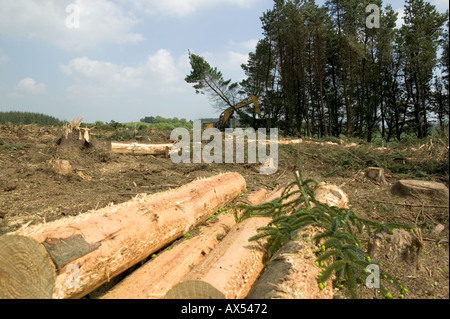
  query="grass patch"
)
[
  {"x": 426, "y": 159},
  {"x": 11, "y": 147}
]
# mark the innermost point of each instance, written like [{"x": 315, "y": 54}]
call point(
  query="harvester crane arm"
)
[{"x": 228, "y": 113}]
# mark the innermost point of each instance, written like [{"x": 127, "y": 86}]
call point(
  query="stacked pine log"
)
[{"x": 72, "y": 257}]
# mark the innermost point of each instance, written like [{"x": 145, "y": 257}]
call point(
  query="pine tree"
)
[
  {"x": 210, "y": 81},
  {"x": 421, "y": 32}
]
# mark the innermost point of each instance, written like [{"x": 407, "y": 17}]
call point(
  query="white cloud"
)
[
  {"x": 101, "y": 21},
  {"x": 441, "y": 5},
  {"x": 229, "y": 63},
  {"x": 104, "y": 73},
  {"x": 181, "y": 8},
  {"x": 102, "y": 80},
  {"x": 159, "y": 69},
  {"x": 236, "y": 59},
  {"x": 3, "y": 58},
  {"x": 163, "y": 66},
  {"x": 155, "y": 86},
  {"x": 249, "y": 45},
  {"x": 29, "y": 86}
]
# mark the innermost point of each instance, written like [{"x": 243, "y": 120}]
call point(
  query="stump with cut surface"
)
[
  {"x": 61, "y": 167},
  {"x": 331, "y": 195},
  {"x": 377, "y": 174},
  {"x": 157, "y": 276},
  {"x": 400, "y": 246},
  {"x": 104, "y": 243},
  {"x": 424, "y": 188}
]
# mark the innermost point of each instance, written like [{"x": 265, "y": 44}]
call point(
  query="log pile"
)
[
  {"x": 101, "y": 244},
  {"x": 231, "y": 268},
  {"x": 291, "y": 272},
  {"x": 156, "y": 277},
  {"x": 72, "y": 257}
]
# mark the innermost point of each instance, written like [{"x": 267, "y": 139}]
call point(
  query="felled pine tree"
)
[{"x": 340, "y": 253}]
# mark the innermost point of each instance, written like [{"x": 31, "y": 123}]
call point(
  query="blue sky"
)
[{"x": 128, "y": 59}]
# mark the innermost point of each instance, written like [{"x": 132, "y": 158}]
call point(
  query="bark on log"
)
[
  {"x": 230, "y": 270},
  {"x": 101, "y": 244},
  {"x": 157, "y": 276},
  {"x": 141, "y": 149}
]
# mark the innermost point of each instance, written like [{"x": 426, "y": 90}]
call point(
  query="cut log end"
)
[
  {"x": 194, "y": 289},
  {"x": 26, "y": 271},
  {"x": 105, "y": 243},
  {"x": 332, "y": 196}
]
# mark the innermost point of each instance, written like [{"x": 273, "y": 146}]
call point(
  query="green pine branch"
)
[{"x": 340, "y": 253}]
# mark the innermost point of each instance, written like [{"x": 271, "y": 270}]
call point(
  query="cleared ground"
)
[{"x": 31, "y": 193}]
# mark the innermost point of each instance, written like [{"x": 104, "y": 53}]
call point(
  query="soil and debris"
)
[{"x": 32, "y": 191}]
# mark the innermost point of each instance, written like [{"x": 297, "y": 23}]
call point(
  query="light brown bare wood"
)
[
  {"x": 331, "y": 195},
  {"x": 104, "y": 243},
  {"x": 26, "y": 271},
  {"x": 234, "y": 266},
  {"x": 157, "y": 276},
  {"x": 230, "y": 270},
  {"x": 291, "y": 272},
  {"x": 141, "y": 149},
  {"x": 287, "y": 142}
]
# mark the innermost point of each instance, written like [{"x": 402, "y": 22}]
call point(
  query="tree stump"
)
[
  {"x": 402, "y": 246},
  {"x": 61, "y": 167},
  {"x": 376, "y": 174},
  {"x": 415, "y": 187}
]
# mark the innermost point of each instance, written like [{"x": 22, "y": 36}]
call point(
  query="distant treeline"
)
[
  {"x": 333, "y": 69},
  {"x": 166, "y": 123},
  {"x": 24, "y": 118},
  {"x": 160, "y": 119},
  {"x": 327, "y": 70}
]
